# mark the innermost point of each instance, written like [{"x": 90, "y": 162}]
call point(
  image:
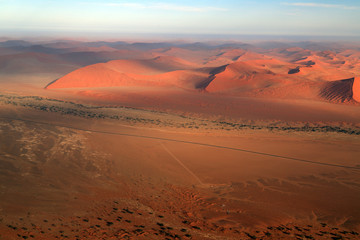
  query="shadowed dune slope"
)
[
  {"x": 32, "y": 62},
  {"x": 338, "y": 91},
  {"x": 84, "y": 58}
]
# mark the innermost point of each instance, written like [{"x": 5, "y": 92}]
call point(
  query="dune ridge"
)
[
  {"x": 289, "y": 71},
  {"x": 160, "y": 71}
]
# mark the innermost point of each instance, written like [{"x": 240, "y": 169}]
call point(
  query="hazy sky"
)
[{"x": 283, "y": 17}]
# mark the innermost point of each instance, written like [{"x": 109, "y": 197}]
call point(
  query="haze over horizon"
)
[{"x": 119, "y": 18}]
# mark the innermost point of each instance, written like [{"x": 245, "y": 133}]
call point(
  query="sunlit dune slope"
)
[
  {"x": 356, "y": 89},
  {"x": 159, "y": 71}
]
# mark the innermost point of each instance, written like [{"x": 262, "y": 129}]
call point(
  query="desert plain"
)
[{"x": 179, "y": 140}]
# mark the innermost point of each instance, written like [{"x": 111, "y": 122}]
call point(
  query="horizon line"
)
[{"x": 177, "y": 37}]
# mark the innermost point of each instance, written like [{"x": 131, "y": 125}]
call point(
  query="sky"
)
[{"x": 212, "y": 17}]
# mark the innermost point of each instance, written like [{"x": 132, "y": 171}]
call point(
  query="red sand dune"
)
[
  {"x": 284, "y": 73},
  {"x": 91, "y": 57},
  {"x": 159, "y": 71},
  {"x": 237, "y": 75},
  {"x": 196, "y": 57},
  {"x": 225, "y": 57},
  {"x": 289, "y": 54},
  {"x": 234, "y": 55},
  {"x": 252, "y": 74}
]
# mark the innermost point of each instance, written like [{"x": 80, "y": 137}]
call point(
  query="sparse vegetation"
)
[{"x": 132, "y": 116}]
